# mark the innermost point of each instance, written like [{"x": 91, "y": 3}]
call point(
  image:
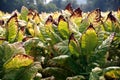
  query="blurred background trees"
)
[
  {"x": 53, "y": 5},
  {"x": 104, "y": 5}
]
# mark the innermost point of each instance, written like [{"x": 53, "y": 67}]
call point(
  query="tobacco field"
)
[{"x": 62, "y": 45}]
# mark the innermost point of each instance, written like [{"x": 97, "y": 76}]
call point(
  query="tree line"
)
[{"x": 55, "y": 5}]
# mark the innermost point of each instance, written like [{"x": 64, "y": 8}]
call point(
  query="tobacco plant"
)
[{"x": 66, "y": 45}]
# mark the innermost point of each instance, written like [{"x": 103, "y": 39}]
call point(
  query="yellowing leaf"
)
[
  {"x": 77, "y": 16},
  {"x": 12, "y": 28},
  {"x": 111, "y": 23},
  {"x": 118, "y": 13},
  {"x": 73, "y": 46},
  {"x": 1, "y": 14},
  {"x": 20, "y": 35},
  {"x": 2, "y": 40},
  {"x": 63, "y": 27},
  {"x": 112, "y": 72},
  {"x": 69, "y": 8},
  {"x": 49, "y": 24},
  {"x": 56, "y": 15},
  {"x": 36, "y": 18},
  {"x": 30, "y": 14},
  {"x": 94, "y": 16},
  {"x": 24, "y": 13},
  {"x": 89, "y": 40},
  {"x": 30, "y": 28},
  {"x": 19, "y": 60},
  {"x": 36, "y": 31}
]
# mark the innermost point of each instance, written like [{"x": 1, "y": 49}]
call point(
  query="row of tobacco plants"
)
[{"x": 65, "y": 45}]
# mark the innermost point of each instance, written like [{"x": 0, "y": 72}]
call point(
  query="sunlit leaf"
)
[
  {"x": 83, "y": 25},
  {"x": 69, "y": 8},
  {"x": 22, "y": 23},
  {"x": 111, "y": 24},
  {"x": 89, "y": 40},
  {"x": 106, "y": 43},
  {"x": 19, "y": 60},
  {"x": 36, "y": 31},
  {"x": 24, "y": 13},
  {"x": 24, "y": 73},
  {"x": 2, "y": 35},
  {"x": 77, "y": 16},
  {"x": 36, "y": 18},
  {"x": 1, "y": 14},
  {"x": 49, "y": 24},
  {"x": 56, "y": 15},
  {"x": 30, "y": 28},
  {"x": 50, "y": 30},
  {"x": 96, "y": 73},
  {"x": 112, "y": 73},
  {"x": 63, "y": 27},
  {"x": 118, "y": 13},
  {"x": 48, "y": 78},
  {"x": 94, "y": 16},
  {"x": 30, "y": 14},
  {"x": 2, "y": 40},
  {"x": 20, "y": 34},
  {"x": 12, "y": 28},
  {"x": 73, "y": 46},
  {"x": 78, "y": 77},
  {"x": 101, "y": 53}
]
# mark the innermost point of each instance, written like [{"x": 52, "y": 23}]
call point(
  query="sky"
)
[
  {"x": 79, "y": 1},
  {"x": 82, "y": 1},
  {"x": 47, "y": 1}
]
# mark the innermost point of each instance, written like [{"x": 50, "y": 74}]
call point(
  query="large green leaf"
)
[
  {"x": 62, "y": 47},
  {"x": 50, "y": 30},
  {"x": 83, "y": 25},
  {"x": 30, "y": 72},
  {"x": 74, "y": 46},
  {"x": 12, "y": 28},
  {"x": 23, "y": 73},
  {"x": 18, "y": 61},
  {"x": 107, "y": 42},
  {"x": 65, "y": 62},
  {"x": 63, "y": 27},
  {"x": 11, "y": 74},
  {"x": 11, "y": 49},
  {"x": 58, "y": 73},
  {"x": 24, "y": 13},
  {"x": 89, "y": 40},
  {"x": 100, "y": 55},
  {"x": 30, "y": 44}
]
